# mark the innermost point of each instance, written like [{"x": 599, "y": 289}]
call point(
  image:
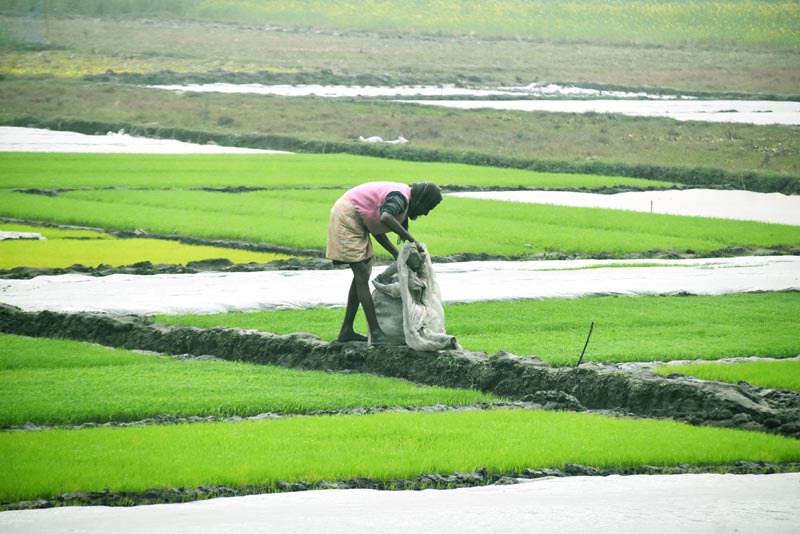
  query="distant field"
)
[
  {"x": 626, "y": 328},
  {"x": 588, "y": 142},
  {"x": 725, "y": 22},
  {"x": 90, "y": 383},
  {"x": 64, "y": 248},
  {"x": 65, "y": 170},
  {"x": 768, "y": 374},
  {"x": 80, "y": 46},
  {"x": 616, "y": 21},
  {"x": 299, "y": 218}
]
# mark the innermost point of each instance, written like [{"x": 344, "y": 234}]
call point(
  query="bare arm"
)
[
  {"x": 386, "y": 243},
  {"x": 395, "y": 226}
]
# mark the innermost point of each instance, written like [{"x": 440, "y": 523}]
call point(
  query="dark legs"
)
[{"x": 359, "y": 294}]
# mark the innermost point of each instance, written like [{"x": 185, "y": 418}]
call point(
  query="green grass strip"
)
[
  {"x": 63, "y": 249},
  {"x": 660, "y": 328},
  {"x": 65, "y": 170},
  {"x": 300, "y": 219},
  {"x": 58, "y": 382},
  {"x": 383, "y": 446},
  {"x": 768, "y": 374}
]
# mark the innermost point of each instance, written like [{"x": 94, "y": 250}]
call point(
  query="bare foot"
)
[{"x": 344, "y": 337}]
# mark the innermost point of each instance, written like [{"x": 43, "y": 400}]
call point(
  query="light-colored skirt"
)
[{"x": 348, "y": 237}]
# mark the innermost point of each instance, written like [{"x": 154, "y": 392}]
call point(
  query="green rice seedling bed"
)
[
  {"x": 768, "y": 374},
  {"x": 68, "y": 170},
  {"x": 299, "y": 218},
  {"x": 626, "y": 328},
  {"x": 59, "y": 382},
  {"x": 62, "y": 249},
  {"x": 381, "y": 446}
]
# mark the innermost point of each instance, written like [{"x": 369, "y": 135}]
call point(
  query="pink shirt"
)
[{"x": 367, "y": 199}]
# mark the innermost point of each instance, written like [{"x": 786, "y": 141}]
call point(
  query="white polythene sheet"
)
[
  {"x": 655, "y": 504},
  {"x": 447, "y": 90},
  {"x": 14, "y": 139},
  {"x": 729, "y": 111},
  {"x": 459, "y": 282},
  {"x": 10, "y": 236},
  {"x": 740, "y": 205}
]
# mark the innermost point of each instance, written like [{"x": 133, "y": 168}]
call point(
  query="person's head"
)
[{"x": 424, "y": 197}]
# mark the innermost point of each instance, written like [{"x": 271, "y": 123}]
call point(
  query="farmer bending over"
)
[{"x": 373, "y": 208}]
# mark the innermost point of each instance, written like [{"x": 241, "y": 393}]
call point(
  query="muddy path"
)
[{"x": 625, "y": 389}]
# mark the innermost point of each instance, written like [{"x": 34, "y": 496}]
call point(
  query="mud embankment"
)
[{"x": 627, "y": 390}]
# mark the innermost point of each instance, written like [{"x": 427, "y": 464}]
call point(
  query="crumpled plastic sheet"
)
[{"x": 458, "y": 282}]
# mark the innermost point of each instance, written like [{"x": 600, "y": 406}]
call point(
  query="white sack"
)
[{"x": 411, "y": 286}]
